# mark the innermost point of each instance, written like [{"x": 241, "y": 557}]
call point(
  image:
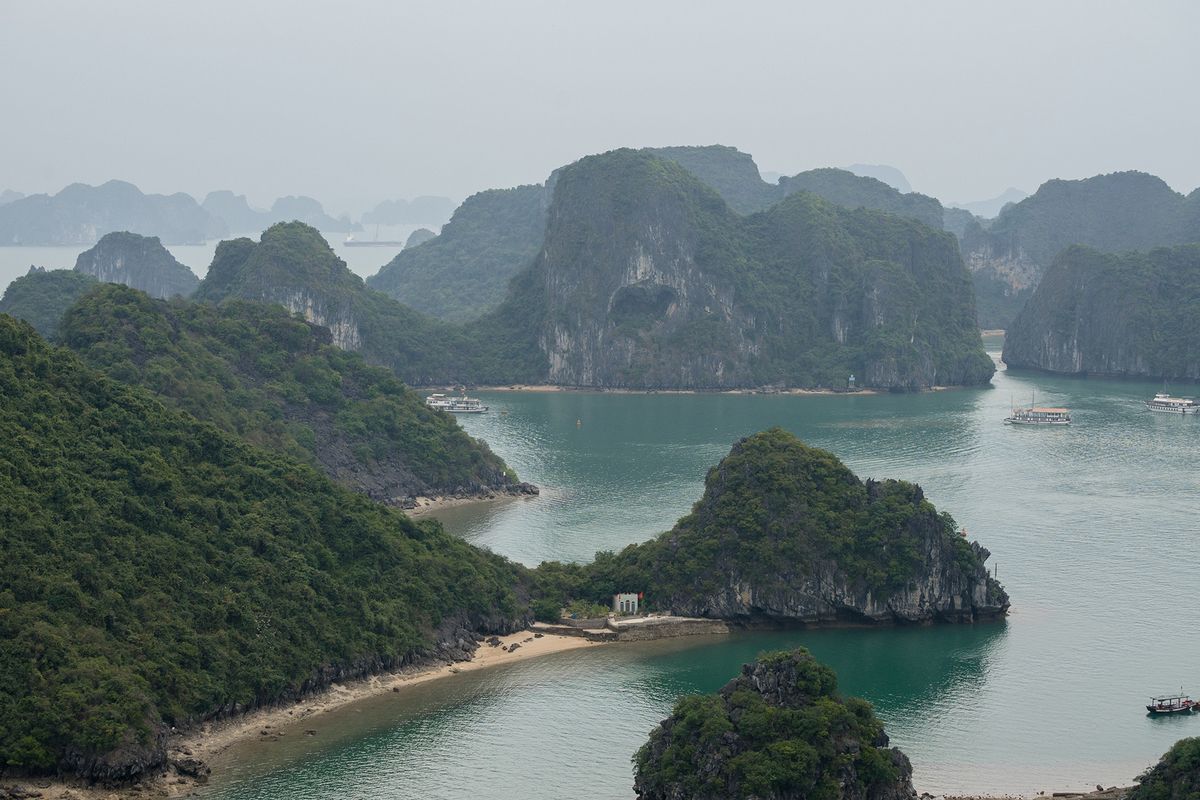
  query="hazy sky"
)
[{"x": 353, "y": 102}]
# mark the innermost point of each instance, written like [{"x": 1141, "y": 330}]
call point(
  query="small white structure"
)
[{"x": 626, "y": 603}]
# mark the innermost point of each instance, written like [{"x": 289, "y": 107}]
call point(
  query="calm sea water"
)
[{"x": 1094, "y": 530}]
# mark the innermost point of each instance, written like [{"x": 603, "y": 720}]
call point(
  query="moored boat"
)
[
  {"x": 1171, "y": 704},
  {"x": 1165, "y": 404},
  {"x": 456, "y": 405},
  {"x": 1039, "y": 415}
]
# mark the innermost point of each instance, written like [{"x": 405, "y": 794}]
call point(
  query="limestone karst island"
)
[{"x": 636, "y": 401}]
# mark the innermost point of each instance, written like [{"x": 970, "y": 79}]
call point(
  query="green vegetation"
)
[
  {"x": 137, "y": 261},
  {"x": 1112, "y": 213},
  {"x": 42, "y": 296},
  {"x": 1135, "y": 314},
  {"x": 776, "y": 512},
  {"x": 464, "y": 272},
  {"x": 277, "y": 382},
  {"x": 292, "y": 265},
  {"x": 779, "y": 730},
  {"x": 156, "y": 570},
  {"x": 1175, "y": 777},
  {"x": 728, "y": 171},
  {"x": 803, "y": 294},
  {"x": 855, "y": 191}
]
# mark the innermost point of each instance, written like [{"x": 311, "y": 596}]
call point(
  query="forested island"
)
[
  {"x": 647, "y": 280},
  {"x": 779, "y": 730},
  {"x": 160, "y": 570},
  {"x": 786, "y": 533},
  {"x": 1129, "y": 314}
]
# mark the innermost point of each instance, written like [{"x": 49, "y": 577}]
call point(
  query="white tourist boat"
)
[
  {"x": 456, "y": 405},
  {"x": 1039, "y": 415},
  {"x": 1165, "y": 404}
]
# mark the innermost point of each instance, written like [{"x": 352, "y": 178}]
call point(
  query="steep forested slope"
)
[
  {"x": 651, "y": 281},
  {"x": 42, "y": 296},
  {"x": 1113, "y": 213},
  {"x": 278, "y": 382},
  {"x": 1132, "y": 314},
  {"x": 155, "y": 570},
  {"x": 464, "y": 272}
]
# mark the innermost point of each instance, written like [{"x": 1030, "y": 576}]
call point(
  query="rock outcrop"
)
[
  {"x": 1112, "y": 213},
  {"x": 139, "y": 262},
  {"x": 1132, "y": 314},
  {"x": 785, "y": 533},
  {"x": 293, "y": 266},
  {"x": 651, "y": 281},
  {"x": 778, "y": 731}
]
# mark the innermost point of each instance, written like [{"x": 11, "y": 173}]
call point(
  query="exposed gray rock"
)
[{"x": 140, "y": 262}]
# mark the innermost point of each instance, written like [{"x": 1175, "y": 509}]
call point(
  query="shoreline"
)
[
  {"x": 550, "y": 388},
  {"x": 210, "y": 740},
  {"x": 430, "y": 505}
]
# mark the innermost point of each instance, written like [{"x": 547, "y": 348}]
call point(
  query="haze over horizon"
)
[{"x": 377, "y": 100}]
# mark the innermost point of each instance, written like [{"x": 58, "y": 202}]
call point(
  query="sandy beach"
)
[
  {"x": 427, "y": 505},
  {"x": 212, "y": 739}
]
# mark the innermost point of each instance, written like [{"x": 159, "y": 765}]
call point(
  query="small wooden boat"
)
[{"x": 1171, "y": 704}]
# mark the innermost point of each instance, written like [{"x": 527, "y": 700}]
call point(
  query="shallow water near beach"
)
[{"x": 1094, "y": 531}]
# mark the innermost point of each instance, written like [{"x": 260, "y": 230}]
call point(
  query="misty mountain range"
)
[{"x": 81, "y": 214}]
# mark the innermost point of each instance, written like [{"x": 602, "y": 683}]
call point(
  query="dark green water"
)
[{"x": 1094, "y": 530}]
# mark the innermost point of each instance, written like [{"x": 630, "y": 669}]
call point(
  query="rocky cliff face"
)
[
  {"x": 1112, "y": 213},
  {"x": 1133, "y": 314},
  {"x": 778, "y": 731},
  {"x": 651, "y": 281},
  {"x": 295, "y": 267},
  {"x": 786, "y": 533},
  {"x": 140, "y": 262}
]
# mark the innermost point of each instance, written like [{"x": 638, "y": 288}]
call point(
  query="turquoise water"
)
[{"x": 1093, "y": 530}]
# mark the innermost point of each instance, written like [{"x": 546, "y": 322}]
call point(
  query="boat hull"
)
[
  {"x": 1155, "y": 711},
  {"x": 1179, "y": 412}
]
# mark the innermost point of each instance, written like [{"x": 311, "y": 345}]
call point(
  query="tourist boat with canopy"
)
[
  {"x": 1171, "y": 704},
  {"x": 1035, "y": 415}
]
